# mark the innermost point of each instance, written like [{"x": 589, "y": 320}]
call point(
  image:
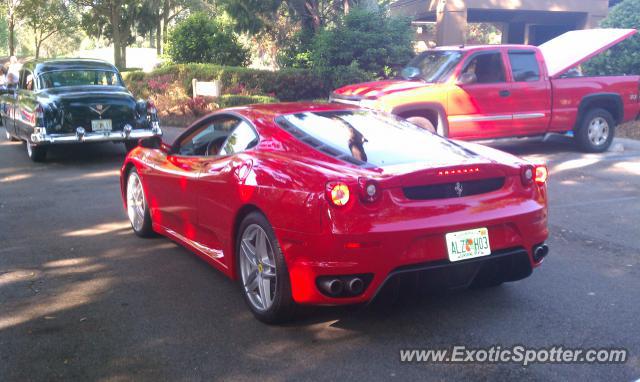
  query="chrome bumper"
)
[{"x": 41, "y": 137}]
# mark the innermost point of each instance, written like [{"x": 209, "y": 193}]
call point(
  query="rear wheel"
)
[
  {"x": 596, "y": 131},
  {"x": 36, "y": 153},
  {"x": 423, "y": 123},
  {"x": 262, "y": 271},
  {"x": 137, "y": 206}
]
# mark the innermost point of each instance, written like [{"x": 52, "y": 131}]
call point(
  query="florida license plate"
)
[
  {"x": 468, "y": 244},
  {"x": 99, "y": 125}
]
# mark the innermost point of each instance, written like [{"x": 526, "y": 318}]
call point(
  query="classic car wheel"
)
[
  {"x": 137, "y": 206},
  {"x": 36, "y": 153},
  {"x": 263, "y": 271},
  {"x": 596, "y": 131},
  {"x": 9, "y": 137}
]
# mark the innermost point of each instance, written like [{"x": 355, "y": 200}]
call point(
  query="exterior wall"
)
[{"x": 452, "y": 16}]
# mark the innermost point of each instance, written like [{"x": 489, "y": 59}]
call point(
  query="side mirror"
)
[
  {"x": 467, "y": 79},
  {"x": 154, "y": 142},
  {"x": 410, "y": 73}
]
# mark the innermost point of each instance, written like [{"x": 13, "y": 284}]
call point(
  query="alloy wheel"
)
[
  {"x": 258, "y": 267},
  {"x": 135, "y": 201},
  {"x": 598, "y": 131}
]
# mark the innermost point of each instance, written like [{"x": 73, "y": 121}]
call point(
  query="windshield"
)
[
  {"x": 362, "y": 136},
  {"x": 79, "y": 77},
  {"x": 435, "y": 65}
]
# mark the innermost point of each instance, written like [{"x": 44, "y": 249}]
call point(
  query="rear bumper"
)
[
  {"x": 420, "y": 253},
  {"x": 40, "y": 137}
]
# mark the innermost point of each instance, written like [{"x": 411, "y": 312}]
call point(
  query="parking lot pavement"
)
[{"x": 82, "y": 298}]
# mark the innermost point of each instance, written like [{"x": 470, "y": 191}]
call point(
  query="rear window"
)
[
  {"x": 524, "y": 66},
  {"x": 366, "y": 137}
]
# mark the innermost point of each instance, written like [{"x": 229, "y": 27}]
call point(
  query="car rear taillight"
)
[
  {"x": 541, "y": 174},
  {"x": 531, "y": 173},
  {"x": 151, "y": 107},
  {"x": 38, "y": 115},
  {"x": 337, "y": 193},
  {"x": 369, "y": 190}
]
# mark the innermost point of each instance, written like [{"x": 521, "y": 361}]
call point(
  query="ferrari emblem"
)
[{"x": 458, "y": 189}]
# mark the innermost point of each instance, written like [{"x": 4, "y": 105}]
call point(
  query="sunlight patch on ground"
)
[
  {"x": 15, "y": 178},
  {"x": 76, "y": 294},
  {"x": 628, "y": 167},
  {"x": 99, "y": 229},
  {"x": 17, "y": 275},
  {"x": 575, "y": 164}
]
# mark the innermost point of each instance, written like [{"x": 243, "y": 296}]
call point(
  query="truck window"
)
[
  {"x": 487, "y": 68},
  {"x": 524, "y": 66}
]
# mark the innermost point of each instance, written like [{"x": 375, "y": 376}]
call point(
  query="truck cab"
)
[{"x": 500, "y": 91}]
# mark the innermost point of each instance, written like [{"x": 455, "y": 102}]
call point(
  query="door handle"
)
[{"x": 504, "y": 93}]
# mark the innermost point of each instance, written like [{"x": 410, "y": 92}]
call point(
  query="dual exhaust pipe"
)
[
  {"x": 344, "y": 286},
  {"x": 540, "y": 252}
]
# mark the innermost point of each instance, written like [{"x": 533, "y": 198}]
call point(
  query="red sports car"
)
[{"x": 327, "y": 204}]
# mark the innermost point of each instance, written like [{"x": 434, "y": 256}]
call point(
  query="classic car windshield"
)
[
  {"x": 78, "y": 77},
  {"x": 363, "y": 136},
  {"x": 435, "y": 65}
]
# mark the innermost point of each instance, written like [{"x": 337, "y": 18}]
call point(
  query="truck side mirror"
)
[{"x": 467, "y": 79}]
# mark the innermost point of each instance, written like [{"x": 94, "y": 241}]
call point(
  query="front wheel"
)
[
  {"x": 36, "y": 153},
  {"x": 596, "y": 131},
  {"x": 262, "y": 271},
  {"x": 137, "y": 206}
]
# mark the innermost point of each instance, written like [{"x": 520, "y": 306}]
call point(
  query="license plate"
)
[
  {"x": 98, "y": 125},
  {"x": 468, "y": 244}
]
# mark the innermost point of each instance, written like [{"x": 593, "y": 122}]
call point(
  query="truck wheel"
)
[
  {"x": 36, "y": 153},
  {"x": 596, "y": 131},
  {"x": 423, "y": 123}
]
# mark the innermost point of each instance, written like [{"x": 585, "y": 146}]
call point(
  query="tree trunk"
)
[
  {"x": 12, "y": 39},
  {"x": 314, "y": 14},
  {"x": 123, "y": 55},
  {"x": 166, "y": 8},
  {"x": 152, "y": 39},
  {"x": 159, "y": 34},
  {"x": 115, "y": 25},
  {"x": 345, "y": 6}
]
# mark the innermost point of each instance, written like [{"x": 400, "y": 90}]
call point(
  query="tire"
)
[
  {"x": 130, "y": 145},
  {"x": 596, "y": 131},
  {"x": 137, "y": 206},
  {"x": 423, "y": 123},
  {"x": 9, "y": 137},
  {"x": 271, "y": 303},
  {"x": 36, "y": 153}
]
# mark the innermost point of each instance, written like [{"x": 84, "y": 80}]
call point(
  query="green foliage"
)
[
  {"x": 296, "y": 51},
  {"x": 286, "y": 84},
  {"x": 372, "y": 39},
  {"x": 623, "y": 58},
  {"x": 47, "y": 19},
  {"x": 231, "y": 100},
  {"x": 201, "y": 39}
]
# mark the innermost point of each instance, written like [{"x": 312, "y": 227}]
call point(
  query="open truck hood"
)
[{"x": 575, "y": 47}]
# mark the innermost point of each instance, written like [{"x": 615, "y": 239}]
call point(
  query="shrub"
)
[
  {"x": 199, "y": 38},
  {"x": 231, "y": 100},
  {"x": 623, "y": 58},
  {"x": 373, "y": 40}
]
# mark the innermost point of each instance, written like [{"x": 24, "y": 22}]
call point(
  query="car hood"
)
[
  {"x": 575, "y": 47},
  {"x": 377, "y": 88}
]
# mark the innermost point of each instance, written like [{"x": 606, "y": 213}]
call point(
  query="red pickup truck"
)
[{"x": 497, "y": 91}]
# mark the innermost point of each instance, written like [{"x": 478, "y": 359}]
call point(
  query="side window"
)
[
  {"x": 208, "y": 138},
  {"x": 26, "y": 80},
  {"x": 242, "y": 138},
  {"x": 524, "y": 66},
  {"x": 486, "y": 67}
]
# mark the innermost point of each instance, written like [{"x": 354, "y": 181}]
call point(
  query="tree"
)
[
  {"x": 46, "y": 19},
  {"x": 373, "y": 41},
  {"x": 11, "y": 8},
  {"x": 113, "y": 19},
  {"x": 623, "y": 58},
  {"x": 201, "y": 39}
]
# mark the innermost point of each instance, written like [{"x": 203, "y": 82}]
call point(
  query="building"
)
[{"x": 520, "y": 21}]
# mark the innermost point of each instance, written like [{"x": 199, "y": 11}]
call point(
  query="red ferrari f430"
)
[{"x": 329, "y": 204}]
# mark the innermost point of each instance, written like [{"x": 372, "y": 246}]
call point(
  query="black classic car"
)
[{"x": 61, "y": 101}]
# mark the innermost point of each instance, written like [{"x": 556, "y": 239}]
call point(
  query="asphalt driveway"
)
[{"x": 82, "y": 298}]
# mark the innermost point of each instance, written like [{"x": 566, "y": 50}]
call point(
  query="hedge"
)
[
  {"x": 231, "y": 100},
  {"x": 284, "y": 84}
]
